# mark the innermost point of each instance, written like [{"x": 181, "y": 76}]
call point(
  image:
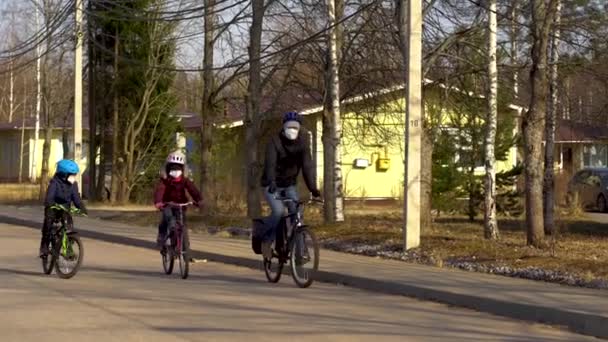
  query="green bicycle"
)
[{"x": 66, "y": 250}]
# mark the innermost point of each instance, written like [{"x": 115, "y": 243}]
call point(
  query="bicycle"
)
[
  {"x": 66, "y": 249},
  {"x": 177, "y": 243},
  {"x": 293, "y": 243}
]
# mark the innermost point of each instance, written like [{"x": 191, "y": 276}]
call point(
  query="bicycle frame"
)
[
  {"x": 297, "y": 223},
  {"x": 64, "y": 220},
  {"x": 178, "y": 228}
]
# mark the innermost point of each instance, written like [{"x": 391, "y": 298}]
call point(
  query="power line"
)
[
  {"x": 43, "y": 34},
  {"x": 236, "y": 64}
]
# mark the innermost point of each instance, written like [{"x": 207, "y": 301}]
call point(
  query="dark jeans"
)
[
  {"x": 50, "y": 216},
  {"x": 169, "y": 219},
  {"x": 278, "y": 209}
]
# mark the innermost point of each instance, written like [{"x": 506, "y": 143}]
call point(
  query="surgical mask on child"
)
[
  {"x": 175, "y": 173},
  {"x": 291, "y": 133},
  {"x": 72, "y": 179}
]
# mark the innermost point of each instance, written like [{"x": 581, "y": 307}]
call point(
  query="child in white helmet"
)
[{"x": 172, "y": 187}]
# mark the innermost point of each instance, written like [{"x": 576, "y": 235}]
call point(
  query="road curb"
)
[{"x": 580, "y": 322}]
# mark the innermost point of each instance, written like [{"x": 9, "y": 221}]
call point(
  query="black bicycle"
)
[
  {"x": 297, "y": 244},
  {"x": 66, "y": 249}
]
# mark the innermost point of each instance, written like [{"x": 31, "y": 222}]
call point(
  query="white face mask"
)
[
  {"x": 291, "y": 133},
  {"x": 72, "y": 179},
  {"x": 175, "y": 173}
]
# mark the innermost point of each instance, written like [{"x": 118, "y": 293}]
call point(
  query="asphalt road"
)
[{"x": 121, "y": 294}]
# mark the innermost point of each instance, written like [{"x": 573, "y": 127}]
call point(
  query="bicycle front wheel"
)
[
  {"x": 167, "y": 259},
  {"x": 69, "y": 258},
  {"x": 48, "y": 261},
  {"x": 184, "y": 255},
  {"x": 304, "y": 257}
]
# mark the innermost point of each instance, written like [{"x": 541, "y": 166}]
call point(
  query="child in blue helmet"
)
[{"x": 62, "y": 190}]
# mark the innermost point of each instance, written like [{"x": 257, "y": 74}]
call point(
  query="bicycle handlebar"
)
[
  {"x": 178, "y": 205},
  {"x": 70, "y": 210},
  {"x": 291, "y": 200}
]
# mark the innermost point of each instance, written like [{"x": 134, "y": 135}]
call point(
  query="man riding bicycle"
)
[{"x": 286, "y": 154}]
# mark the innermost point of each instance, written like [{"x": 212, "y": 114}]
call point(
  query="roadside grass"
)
[
  {"x": 11, "y": 193},
  {"x": 578, "y": 247}
]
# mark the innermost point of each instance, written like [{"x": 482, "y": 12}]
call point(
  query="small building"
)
[
  {"x": 579, "y": 145},
  {"x": 17, "y": 145}
]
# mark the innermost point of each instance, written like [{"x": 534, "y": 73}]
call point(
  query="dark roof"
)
[
  {"x": 575, "y": 131},
  {"x": 234, "y": 110}
]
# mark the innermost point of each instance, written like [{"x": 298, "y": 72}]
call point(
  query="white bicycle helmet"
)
[{"x": 176, "y": 157}]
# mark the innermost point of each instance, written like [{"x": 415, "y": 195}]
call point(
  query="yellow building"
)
[
  {"x": 373, "y": 148},
  {"x": 17, "y": 146}
]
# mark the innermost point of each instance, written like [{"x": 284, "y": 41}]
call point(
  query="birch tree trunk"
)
[
  {"x": 533, "y": 124},
  {"x": 11, "y": 95},
  {"x": 34, "y": 157},
  {"x": 332, "y": 126},
  {"x": 92, "y": 109},
  {"x": 490, "y": 222},
  {"x": 207, "y": 107},
  {"x": 22, "y": 144},
  {"x": 253, "y": 119},
  {"x": 513, "y": 32},
  {"x": 549, "y": 184}
]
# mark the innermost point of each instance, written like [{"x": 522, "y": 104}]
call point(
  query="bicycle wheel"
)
[
  {"x": 48, "y": 261},
  {"x": 69, "y": 258},
  {"x": 184, "y": 255},
  {"x": 304, "y": 257},
  {"x": 273, "y": 268},
  {"x": 167, "y": 257}
]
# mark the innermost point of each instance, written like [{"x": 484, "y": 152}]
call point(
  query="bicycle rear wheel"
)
[
  {"x": 184, "y": 255},
  {"x": 304, "y": 257},
  {"x": 69, "y": 259},
  {"x": 273, "y": 268}
]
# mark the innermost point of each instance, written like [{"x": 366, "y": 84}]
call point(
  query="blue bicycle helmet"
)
[
  {"x": 68, "y": 167},
  {"x": 291, "y": 116}
]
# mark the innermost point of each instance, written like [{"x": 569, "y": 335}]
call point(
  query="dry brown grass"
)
[
  {"x": 578, "y": 248},
  {"x": 18, "y": 193}
]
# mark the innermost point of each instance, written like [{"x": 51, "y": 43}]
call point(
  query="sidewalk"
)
[{"x": 582, "y": 310}]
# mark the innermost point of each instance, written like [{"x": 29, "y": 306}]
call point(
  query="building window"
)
[{"x": 595, "y": 155}]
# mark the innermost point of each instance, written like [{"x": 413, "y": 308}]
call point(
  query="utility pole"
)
[
  {"x": 34, "y": 156},
  {"x": 411, "y": 31},
  {"x": 78, "y": 90}
]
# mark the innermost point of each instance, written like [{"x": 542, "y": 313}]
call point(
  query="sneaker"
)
[{"x": 267, "y": 250}]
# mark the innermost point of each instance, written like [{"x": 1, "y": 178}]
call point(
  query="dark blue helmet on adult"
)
[{"x": 292, "y": 116}]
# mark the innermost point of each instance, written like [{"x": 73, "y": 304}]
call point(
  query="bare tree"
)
[
  {"x": 332, "y": 125},
  {"x": 533, "y": 124},
  {"x": 54, "y": 82},
  {"x": 208, "y": 110},
  {"x": 115, "y": 180},
  {"x": 490, "y": 222},
  {"x": 253, "y": 117},
  {"x": 549, "y": 183}
]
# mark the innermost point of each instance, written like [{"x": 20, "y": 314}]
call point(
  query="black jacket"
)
[
  {"x": 60, "y": 191},
  {"x": 284, "y": 160}
]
